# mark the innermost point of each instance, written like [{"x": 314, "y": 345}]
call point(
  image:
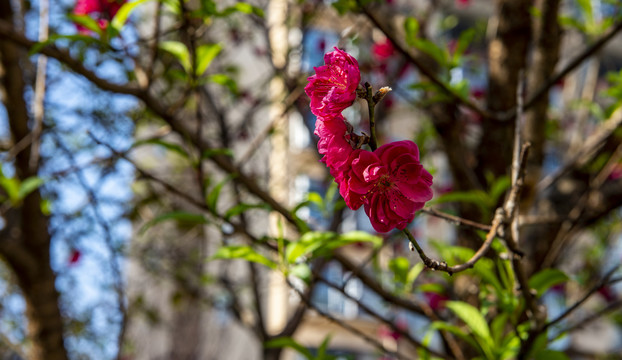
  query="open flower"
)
[
  {"x": 333, "y": 144},
  {"x": 333, "y": 87},
  {"x": 101, "y": 10},
  {"x": 390, "y": 182}
]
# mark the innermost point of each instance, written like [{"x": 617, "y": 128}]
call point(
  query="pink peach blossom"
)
[
  {"x": 390, "y": 182},
  {"x": 333, "y": 87},
  {"x": 333, "y": 144}
]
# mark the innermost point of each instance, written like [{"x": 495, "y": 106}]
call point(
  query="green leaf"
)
[
  {"x": 224, "y": 80},
  {"x": 287, "y": 341},
  {"x": 301, "y": 271},
  {"x": 124, "y": 12},
  {"x": 73, "y": 38},
  {"x": 86, "y": 21},
  {"x": 214, "y": 152},
  {"x": 11, "y": 186},
  {"x": 243, "y": 252},
  {"x": 212, "y": 197},
  {"x": 179, "y": 50},
  {"x": 176, "y": 148},
  {"x": 29, "y": 185},
  {"x": 181, "y": 217},
  {"x": 411, "y": 27},
  {"x": 472, "y": 317},
  {"x": 205, "y": 54},
  {"x": 439, "y": 325},
  {"x": 399, "y": 266},
  {"x": 308, "y": 243},
  {"x": 546, "y": 278},
  {"x": 345, "y": 6},
  {"x": 431, "y": 49},
  {"x": 321, "y": 351},
  {"x": 412, "y": 275},
  {"x": 245, "y": 8},
  {"x": 242, "y": 207}
]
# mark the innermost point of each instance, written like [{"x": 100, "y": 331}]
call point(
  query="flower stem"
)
[{"x": 371, "y": 106}]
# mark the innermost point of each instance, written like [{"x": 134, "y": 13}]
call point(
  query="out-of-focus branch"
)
[
  {"x": 606, "y": 280},
  {"x": 415, "y": 343},
  {"x": 380, "y": 22},
  {"x": 455, "y": 219},
  {"x": 345, "y": 325},
  {"x": 572, "y": 65}
]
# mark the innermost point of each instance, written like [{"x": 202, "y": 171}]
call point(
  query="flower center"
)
[{"x": 384, "y": 183}]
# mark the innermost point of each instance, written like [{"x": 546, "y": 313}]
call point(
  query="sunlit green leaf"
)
[
  {"x": 472, "y": 317},
  {"x": 545, "y": 279},
  {"x": 179, "y": 50},
  {"x": 205, "y": 54},
  {"x": 176, "y": 148},
  {"x": 244, "y": 253},
  {"x": 288, "y": 342},
  {"x": 29, "y": 185},
  {"x": 124, "y": 12}
]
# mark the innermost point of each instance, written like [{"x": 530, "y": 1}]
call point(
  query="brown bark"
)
[
  {"x": 506, "y": 58},
  {"x": 547, "y": 41},
  {"x": 25, "y": 242}
]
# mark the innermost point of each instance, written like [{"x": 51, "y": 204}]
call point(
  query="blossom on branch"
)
[
  {"x": 333, "y": 87},
  {"x": 390, "y": 182},
  {"x": 333, "y": 144},
  {"x": 103, "y": 11}
]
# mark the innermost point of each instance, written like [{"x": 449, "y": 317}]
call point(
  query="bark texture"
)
[{"x": 25, "y": 241}]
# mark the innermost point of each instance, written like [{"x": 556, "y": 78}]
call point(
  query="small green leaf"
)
[
  {"x": 11, "y": 186},
  {"x": 244, "y": 253},
  {"x": 124, "y": 12},
  {"x": 205, "y": 54},
  {"x": 242, "y": 207},
  {"x": 399, "y": 266},
  {"x": 546, "y": 278},
  {"x": 212, "y": 197},
  {"x": 412, "y": 275},
  {"x": 165, "y": 144},
  {"x": 411, "y": 27},
  {"x": 214, "y": 152},
  {"x": 86, "y": 21},
  {"x": 245, "y": 8},
  {"x": 181, "y": 217},
  {"x": 224, "y": 80},
  {"x": 287, "y": 341},
  {"x": 345, "y": 6},
  {"x": 179, "y": 50},
  {"x": 472, "y": 317},
  {"x": 301, "y": 271},
  {"x": 29, "y": 185}
]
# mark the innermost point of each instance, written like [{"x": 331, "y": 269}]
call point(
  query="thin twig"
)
[
  {"x": 372, "y": 313},
  {"x": 455, "y": 219},
  {"x": 371, "y": 105},
  {"x": 603, "y": 282},
  {"x": 344, "y": 324},
  {"x": 382, "y": 26},
  {"x": 38, "y": 106},
  {"x": 442, "y": 265},
  {"x": 592, "y": 144}
]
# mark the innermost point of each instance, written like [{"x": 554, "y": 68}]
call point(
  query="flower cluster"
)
[
  {"x": 389, "y": 182},
  {"x": 101, "y": 10}
]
